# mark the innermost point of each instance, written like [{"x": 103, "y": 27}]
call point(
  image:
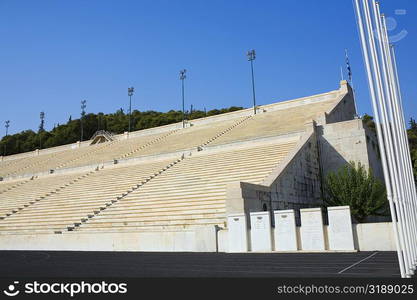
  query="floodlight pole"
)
[
  {"x": 251, "y": 57},
  {"x": 42, "y": 117},
  {"x": 130, "y": 94},
  {"x": 83, "y": 106},
  {"x": 6, "y": 124},
  {"x": 182, "y": 78}
]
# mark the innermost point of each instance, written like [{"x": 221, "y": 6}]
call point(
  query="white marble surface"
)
[
  {"x": 237, "y": 233},
  {"x": 285, "y": 234},
  {"x": 261, "y": 237},
  {"x": 340, "y": 228},
  {"x": 312, "y": 231}
]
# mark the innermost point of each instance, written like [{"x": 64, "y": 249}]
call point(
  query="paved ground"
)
[{"x": 151, "y": 264}]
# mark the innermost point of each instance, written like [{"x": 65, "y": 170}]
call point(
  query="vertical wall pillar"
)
[
  {"x": 340, "y": 228},
  {"x": 312, "y": 233},
  {"x": 285, "y": 234},
  {"x": 261, "y": 237},
  {"x": 237, "y": 233}
]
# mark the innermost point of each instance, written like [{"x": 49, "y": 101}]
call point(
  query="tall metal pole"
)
[
  {"x": 403, "y": 155},
  {"x": 405, "y": 137},
  {"x": 182, "y": 78},
  {"x": 83, "y": 106},
  {"x": 6, "y": 124},
  {"x": 350, "y": 79},
  {"x": 387, "y": 177},
  {"x": 392, "y": 136},
  {"x": 388, "y": 134},
  {"x": 251, "y": 57},
  {"x": 130, "y": 94},
  {"x": 403, "y": 159},
  {"x": 183, "y": 105},
  {"x": 41, "y": 128}
]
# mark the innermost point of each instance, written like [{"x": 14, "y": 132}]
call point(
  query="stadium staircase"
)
[
  {"x": 97, "y": 213},
  {"x": 113, "y": 150},
  {"x": 112, "y": 202},
  {"x": 156, "y": 192},
  {"x": 191, "y": 193},
  {"x": 148, "y": 144},
  {"x": 36, "y": 190},
  {"x": 12, "y": 185}
]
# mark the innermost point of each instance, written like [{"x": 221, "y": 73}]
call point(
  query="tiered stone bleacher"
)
[
  {"x": 9, "y": 185},
  {"x": 192, "y": 137},
  {"x": 46, "y": 162},
  {"x": 276, "y": 122},
  {"x": 61, "y": 209},
  {"x": 191, "y": 193},
  {"x": 150, "y": 144},
  {"x": 157, "y": 192},
  {"x": 31, "y": 191}
]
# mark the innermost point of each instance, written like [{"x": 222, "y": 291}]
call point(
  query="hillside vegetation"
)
[{"x": 118, "y": 122}]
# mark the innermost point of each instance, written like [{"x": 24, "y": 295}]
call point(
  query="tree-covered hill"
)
[
  {"x": 116, "y": 123},
  {"x": 412, "y": 138}
]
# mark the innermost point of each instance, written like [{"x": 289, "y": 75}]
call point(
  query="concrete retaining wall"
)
[
  {"x": 198, "y": 240},
  {"x": 294, "y": 183},
  {"x": 366, "y": 236},
  {"x": 344, "y": 110},
  {"x": 348, "y": 141}
]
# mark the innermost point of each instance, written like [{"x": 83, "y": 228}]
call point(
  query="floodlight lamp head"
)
[
  {"x": 251, "y": 55},
  {"x": 182, "y": 74}
]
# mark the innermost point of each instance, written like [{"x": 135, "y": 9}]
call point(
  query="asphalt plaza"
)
[{"x": 186, "y": 264}]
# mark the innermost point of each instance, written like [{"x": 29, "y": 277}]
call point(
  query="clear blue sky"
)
[{"x": 56, "y": 53}]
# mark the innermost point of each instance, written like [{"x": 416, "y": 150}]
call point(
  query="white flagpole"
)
[
  {"x": 387, "y": 133},
  {"x": 409, "y": 164},
  {"x": 380, "y": 139},
  {"x": 389, "y": 125},
  {"x": 352, "y": 86},
  {"x": 397, "y": 140},
  {"x": 403, "y": 147}
]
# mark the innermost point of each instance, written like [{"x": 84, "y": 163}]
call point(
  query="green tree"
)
[
  {"x": 354, "y": 186},
  {"x": 369, "y": 122},
  {"x": 117, "y": 122},
  {"x": 412, "y": 140},
  {"x": 414, "y": 160}
]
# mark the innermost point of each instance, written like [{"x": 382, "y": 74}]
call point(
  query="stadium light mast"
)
[
  {"x": 130, "y": 94},
  {"x": 41, "y": 127},
  {"x": 83, "y": 106},
  {"x": 251, "y": 57},
  {"x": 182, "y": 77},
  {"x": 7, "y": 125}
]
